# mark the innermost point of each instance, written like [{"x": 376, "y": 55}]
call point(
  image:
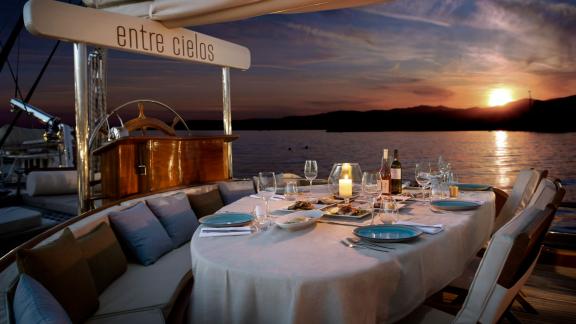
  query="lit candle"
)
[{"x": 345, "y": 187}]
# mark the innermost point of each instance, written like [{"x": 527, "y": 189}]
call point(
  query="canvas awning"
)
[{"x": 184, "y": 13}]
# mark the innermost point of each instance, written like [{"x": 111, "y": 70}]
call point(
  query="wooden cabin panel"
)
[{"x": 168, "y": 161}]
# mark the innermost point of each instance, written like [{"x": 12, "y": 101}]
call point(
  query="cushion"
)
[
  {"x": 141, "y": 233},
  {"x": 146, "y": 316},
  {"x": 155, "y": 286},
  {"x": 34, "y": 304},
  {"x": 176, "y": 215},
  {"x": 67, "y": 204},
  {"x": 103, "y": 254},
  {"x": 60, "y": 267},
  {"x": 51, "y": 182},
  {"x": 234, "y": 190},
  {"x": 206, "y": 203},
  {"x": 15, "y": 219}
]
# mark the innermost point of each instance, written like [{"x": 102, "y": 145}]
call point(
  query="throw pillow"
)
[
  {"x": 141, "y": 233},
  {"x": 206, "y": 203},
  {"x": 104, "y": 255},
  {"x": 176, "y": 215},
  {"x": 61, "y": 268},
  {"x": 34, "y": 304}
]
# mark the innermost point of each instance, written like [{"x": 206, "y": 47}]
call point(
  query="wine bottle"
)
[
  {"x": 385, "y": 173},
  {"x": 396, "y": 175}
]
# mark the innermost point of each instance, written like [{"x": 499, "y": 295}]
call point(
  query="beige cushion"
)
[
  {"x": 67, "y": 204},
  {"x": 51, "y": 182},
  {"x": 143, "y": 287},
  {"x": 544, "y": 194},
  {"x": 523, "y": 189}
]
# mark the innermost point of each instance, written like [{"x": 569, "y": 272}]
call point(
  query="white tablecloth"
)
[{"x": 307, "y": 276}]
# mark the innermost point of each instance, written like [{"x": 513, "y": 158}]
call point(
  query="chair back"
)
[
  {"x": 523, "y": 189},
  {"x": 548, "y": 192},
  {"x": 506, "y": 265},
  {"x": 230, "y": 191}
]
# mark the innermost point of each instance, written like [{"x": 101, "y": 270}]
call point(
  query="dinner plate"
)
[
  {"x": 454, "y": 205},
  {"x": 387, "y": 233},
  {"x": 226, "y": 219},
  {"x": 473, "y": 187}
]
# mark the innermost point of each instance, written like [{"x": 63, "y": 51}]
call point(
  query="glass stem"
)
[
  {"x": 311, "y": 186},
  {"x": 266, "y": 206}
]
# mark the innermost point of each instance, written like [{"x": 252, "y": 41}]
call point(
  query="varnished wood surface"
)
[{"x": 168, "y": 162}]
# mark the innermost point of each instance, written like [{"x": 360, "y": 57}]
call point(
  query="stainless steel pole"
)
[
  {"x": 227, "y": 114},
  {"x": 82, "y": 124}
]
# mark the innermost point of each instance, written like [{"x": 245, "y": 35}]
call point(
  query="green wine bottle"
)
[{"x": 396, "y": 175}]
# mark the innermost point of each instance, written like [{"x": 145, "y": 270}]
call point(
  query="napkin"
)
[
  {"x": 225, "y": 231},
  {"x": 275, "y": 197},
  {"x": 428, "y": 229}
]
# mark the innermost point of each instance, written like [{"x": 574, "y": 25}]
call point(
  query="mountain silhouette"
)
[{"x": 554, "y": 115}]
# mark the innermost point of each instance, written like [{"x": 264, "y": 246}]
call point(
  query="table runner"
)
[{"x": 307, "y": 276}]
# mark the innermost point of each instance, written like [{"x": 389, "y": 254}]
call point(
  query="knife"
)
[{"x": 226, "y": 231}]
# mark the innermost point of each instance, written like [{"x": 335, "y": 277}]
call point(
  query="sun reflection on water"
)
[{"x": 501, "y": 154}]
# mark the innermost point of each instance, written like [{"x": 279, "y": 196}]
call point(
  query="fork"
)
[
  {"x": 352, "y": 245},
  {"x": 357, "y": 241}
]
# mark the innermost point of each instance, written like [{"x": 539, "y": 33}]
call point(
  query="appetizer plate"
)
[
  {"x": 298, "y": 220},
  {"x": 387, "y": 233},
  {"x": 226, "y": 219},
  {"x": 334, "y": 211},
  {"x": 454, "y": 205},
  {"x": 473, "y": 187}
]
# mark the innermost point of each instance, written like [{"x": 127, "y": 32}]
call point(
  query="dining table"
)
[{"x": 309, "y": 276}]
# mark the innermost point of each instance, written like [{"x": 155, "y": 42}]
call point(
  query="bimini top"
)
[{"x": 183, "y": 13}]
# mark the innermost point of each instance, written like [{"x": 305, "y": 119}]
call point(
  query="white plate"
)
[{"x": 298, "y": 220}]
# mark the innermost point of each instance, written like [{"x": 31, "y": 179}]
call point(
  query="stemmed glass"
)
[
  {"x": 371, "y": 187},
  {"x": 266, "y": 187},
  {"x": 422, "y": 174},
  {"x": 310, "y": 171}
]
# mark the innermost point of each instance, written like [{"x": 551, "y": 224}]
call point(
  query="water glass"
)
[
  {"x": 261, "y": 220},
  {"x": 390, "y": 209},
  {"x": 310, "y": 171},
  {"x": 266, "y": 186},
  {"x": 291, "y": 190}
]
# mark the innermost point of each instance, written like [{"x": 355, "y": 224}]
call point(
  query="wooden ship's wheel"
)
[{"x": 132, "y": 164}]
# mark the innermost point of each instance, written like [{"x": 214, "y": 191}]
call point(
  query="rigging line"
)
[{"x": 29, "y": 94}]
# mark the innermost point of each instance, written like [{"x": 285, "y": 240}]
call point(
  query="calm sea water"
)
[{"x": 491, "y": 157}]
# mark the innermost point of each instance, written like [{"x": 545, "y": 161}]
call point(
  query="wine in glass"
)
[
  {"x": 310, "y": 171},
  {"x": 371, "y": 187},
  {"x": 422, "y": 174},
  {"x": 266, "y": 187}
]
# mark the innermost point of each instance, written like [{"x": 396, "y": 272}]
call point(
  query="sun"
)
[{"x": 499, "y": 97}]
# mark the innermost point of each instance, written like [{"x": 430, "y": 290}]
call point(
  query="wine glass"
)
[
  {"x": 310, "y": 171},
  {"x": 266, "y": 187},
  {"x": 422, "y": 174},
  {"x": 371, "y": 187}
]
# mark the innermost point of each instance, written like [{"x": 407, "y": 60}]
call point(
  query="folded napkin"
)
[
  {"x": 225, "y": 231},
  {"x": 428, "y": 229},
  {"x": 275, "y": 197}
]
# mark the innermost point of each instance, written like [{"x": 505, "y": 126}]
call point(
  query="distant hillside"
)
[{"x": 554, "y": 115}]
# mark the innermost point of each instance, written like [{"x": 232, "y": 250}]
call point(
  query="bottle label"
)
[
  {"x": 396, "y": 174},
  {"x": 385, "y": 185}
]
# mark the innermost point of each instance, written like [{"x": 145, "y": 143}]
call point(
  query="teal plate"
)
[
  {"x": 454, "y": 205},
  {"x": 387, "y": 233},
  {"x": 226, "y": 219},
  {"x": 473, "y": 187}
]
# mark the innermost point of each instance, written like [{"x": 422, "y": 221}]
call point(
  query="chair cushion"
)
[
  {"x": 34, "y": 304},
  {"x": 103, "y": 254},
  {"x": 15, "y": 219},
  {"x": 147, "y": 316},
  {"x": 51, "y": 182},
  {"x": 176, "y": 215},
  {"x": 206, "y": 203},
  {"x": 141, "y": 233},
  {"x": 234, "y": 190},
  {"x": 61, "y": 268},
  {"x": 154, "y": 286},
  {"x": 67, "y": 204}
]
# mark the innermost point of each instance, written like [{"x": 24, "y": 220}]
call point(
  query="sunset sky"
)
[{"x": 398, "y": 54}]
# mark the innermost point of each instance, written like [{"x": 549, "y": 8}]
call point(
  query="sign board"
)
[{"x": 67, "y": 22}]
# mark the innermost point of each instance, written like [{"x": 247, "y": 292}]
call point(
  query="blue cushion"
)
[
  {"x": 141, "y": 232},
  {"x": 176, "y": 215},
  {"x": 34, "y": 304},
  {"x": 234, "y": 190}
]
